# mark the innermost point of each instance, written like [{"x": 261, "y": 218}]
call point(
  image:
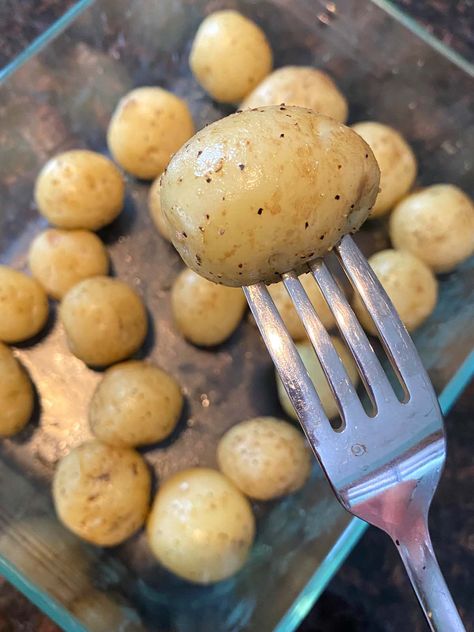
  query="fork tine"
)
[
  {"x": 370, "y": 369},
  {"x": 341, "y": 386}
]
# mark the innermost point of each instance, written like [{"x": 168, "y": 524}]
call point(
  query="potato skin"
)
[
  {"x": 396, "y": 160},
  {"x": 200, "y": 527},
  {"x": 410, "y": 284},
  {"x": 422, "y": 225},
  {"x": 59, "y": 259},
  {"x": 24, "y": 306},
  {"x": 104, "y": 319},
  {"x": 204, "y": 312},
  {"x": 264, "y": 457},
  {"x": 16, "y": 394},
  {"x": 79, "y": 189},
  {"x": 300, "y": 85},
  {"x": 147, "y": 127},
  {"x": 135, "y": 404},
  {"x": 264, "y": 191},
  {"x": 154, "y": 207},
  {"x": 102, "y": 493},
  {"x": 230, "y": 56}
]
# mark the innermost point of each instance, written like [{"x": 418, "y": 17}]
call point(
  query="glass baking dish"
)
[{"x": 59, "y": 94}]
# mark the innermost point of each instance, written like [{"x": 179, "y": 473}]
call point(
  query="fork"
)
[{"x": 383, "y": 466}]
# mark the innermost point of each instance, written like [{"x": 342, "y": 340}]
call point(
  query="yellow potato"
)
[
  {"x": 230, "y": 56},
  {"x": 303, "y": 86},
  {"x": 435, "y": 224},
  {"x": 135, "y": 404},
  {"x": 264, "y": 191},
  {"x": 154, "y": 206},
  {"x": 101, "y": 493},
  {"x": 265, "y": 457},
  {"x": 104, "y": 319},
  {"x": 23, "y": 306},
  {"x": 79, "y": 189},
  {"x": 410, "y": 284},
  {"x": 148, "y": 126},
  {"x": 200, "y": 526},
  {"x": 59, "y": 259},
  {"x": 204, "y": 312},
  {"x": 16, "y": 394},
  {"x": 318, "y": 378},
  {"x": 396, "y": 160}
]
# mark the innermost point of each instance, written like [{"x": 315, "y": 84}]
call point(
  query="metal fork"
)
[{"x": 383, "y": 467}]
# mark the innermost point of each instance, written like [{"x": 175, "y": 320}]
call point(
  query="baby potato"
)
[
  {"x": 409, "y": 283},
  {"x": 264, "y": 457},
  {"x": 148, "y": 126},
  {"x": 104, "y": 319},
  {"x": 200, "y": 527},
  {"x": 136, "y": 403},
  {"x": 101, "y": 493},
  {"x": 436, "y": 225},
  {"x": 264, "y": 191},
  {"x": 204, "y": 312},
  {"x": 396, "y": 161},
  {"x": 318, "y": 378},
  {"x": 23, "y": 306},
  {"x": 303, "y": 86},
  {"x": 59, "y": 259},
  {"x": 230, "y": 56},
  {"x": 16, "y": 394},
  {"x": 154, "y": 206},
  {"x": 79, "y": 189}
]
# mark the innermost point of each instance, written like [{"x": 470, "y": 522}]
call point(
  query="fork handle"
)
[{"x": 427, "y": 580}]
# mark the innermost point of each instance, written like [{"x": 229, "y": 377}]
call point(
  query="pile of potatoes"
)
[{"x": 249, "y": 226}]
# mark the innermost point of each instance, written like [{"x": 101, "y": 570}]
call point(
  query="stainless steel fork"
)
[{"x": 383, "y": 467}]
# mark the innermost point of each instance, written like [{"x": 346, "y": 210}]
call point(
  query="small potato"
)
[
  {"x": 318, "y": 378},
  {"x": 230, "y": 56},
  {"x": 23, "y": 306},
  {"x": 264, "y": 191},
  {"x": 59, "y": 259},
  {"x": 101, "y": 493},
  {"x": 16, "y": 394},
  {"x": 104, "y": 319},
  {"x": 303, "y": 86},
  {"x": 205, "y": 313},
  {"x": 79, "y": 189},
  {"x": 265, "y": 457},
  {"x": 148, "y": 126},
  {"x": 436, "y": 225},
  {"x": 396, "y": 160},
  {"x": 154, "y": 206},
  {"x": 409, "y": 283},
  {"x": 135, "y": 404},
  {"x": 200, "y": 526}
]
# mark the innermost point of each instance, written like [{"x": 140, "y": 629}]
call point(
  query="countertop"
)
[{"x": 370, "y": 593}]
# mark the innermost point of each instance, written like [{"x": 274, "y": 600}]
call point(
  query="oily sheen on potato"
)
[{"x": 264, "y": 191}]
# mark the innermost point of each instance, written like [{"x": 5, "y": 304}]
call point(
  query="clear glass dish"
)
[{"x": 59, "y": 94}]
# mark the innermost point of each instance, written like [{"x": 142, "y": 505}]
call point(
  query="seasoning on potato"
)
[
  {"x": 264, "y": 457},
  {"x": 135, "y": 404},
  {"x": 410, "y": 284},
  {"x": 316, "y": 374},
  {"x": 104, "y": 319},
  {"x": 396, "y": 160},
  {"x": 303, "y": 86},
  {"x": 59, "y": 259},
  {"x": 16, "y": 394},
  {"x": 201, "y": 527},
  {"x": 148, "y": 126},
  {"x": 264, "y": 191},
  {"x": 204, "y": 312},
  {"x": 156, "y": 214},
  {"x": 230, "y": 56},
  {"x": 435, "y": 224},
  {"x": 24, "y": 306},
  {"x": 79, "y": 189},
  {"x": 102, "y": 493}
]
